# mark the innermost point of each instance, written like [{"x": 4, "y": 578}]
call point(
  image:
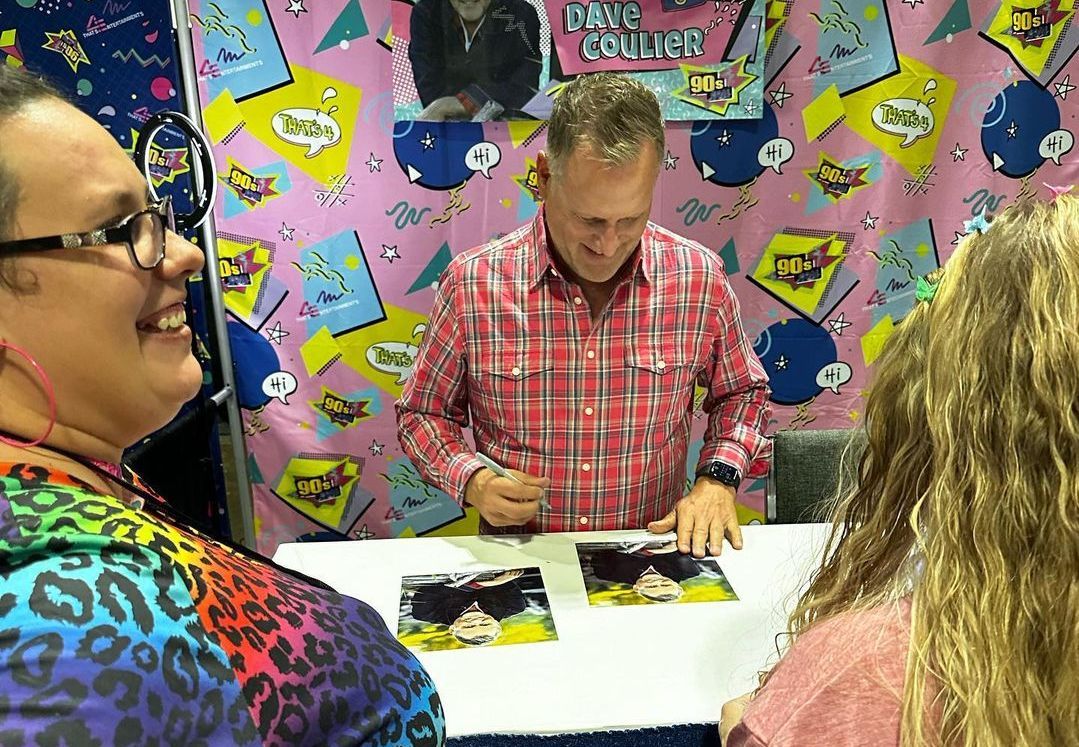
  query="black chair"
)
[{"x": 806, "y": 470}]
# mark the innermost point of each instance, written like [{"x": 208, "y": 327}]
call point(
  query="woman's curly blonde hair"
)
[{"x": 967, "y": 496}]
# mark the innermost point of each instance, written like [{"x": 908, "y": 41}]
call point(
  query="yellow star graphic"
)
[
  {"x": 66, "y": 44},
  {"x": 528, "y": 180},
  {"x": 714, "y": 88}
]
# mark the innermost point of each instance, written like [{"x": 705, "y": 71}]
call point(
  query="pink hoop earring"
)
[{"x": 49, "y": 391}]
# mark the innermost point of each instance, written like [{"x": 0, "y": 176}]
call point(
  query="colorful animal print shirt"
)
[{"x": 118, "y": 627}]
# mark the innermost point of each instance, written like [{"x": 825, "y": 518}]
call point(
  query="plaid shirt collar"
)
[{"x": 540, "y": 263}]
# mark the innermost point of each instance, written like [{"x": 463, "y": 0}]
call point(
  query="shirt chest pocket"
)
[
  {"x": 661, "y": 378},
  {"x": 512, "y": 394}
]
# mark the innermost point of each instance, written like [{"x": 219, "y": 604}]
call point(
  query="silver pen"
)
[{"x": 501, "y": 471}]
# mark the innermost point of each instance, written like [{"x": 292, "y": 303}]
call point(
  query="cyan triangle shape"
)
[
  {"x": 955, "y": 20},
  {"x": 254, "y": 474},
  {"x": 526, "y": 208},
  {"x": 350, "y": 24},
  {"x": 816, "y": 200},
  {"x": 433, "y": 271},
  {"x": 730, "y": 257}
]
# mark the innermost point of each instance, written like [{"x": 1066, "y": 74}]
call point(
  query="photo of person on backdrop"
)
[
  {"x": 476, "y": 609},
  {"x": 652, "y": 571},
  {"x": 474, "y": 59},
  {"x": 618, "y": 573},
  {"x": 471, "y": 605},
  {"x": 574, "y": 345}
]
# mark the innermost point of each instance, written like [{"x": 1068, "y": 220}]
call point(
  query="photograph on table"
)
[
  {"x": 446, "y": 611},
  {"x": 649, "y": 572}
]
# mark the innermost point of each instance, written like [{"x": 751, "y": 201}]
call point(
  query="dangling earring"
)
[{"x": 49, "y": 391}]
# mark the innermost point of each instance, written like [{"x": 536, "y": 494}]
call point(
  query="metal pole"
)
[{"x": 181, "y": 24}]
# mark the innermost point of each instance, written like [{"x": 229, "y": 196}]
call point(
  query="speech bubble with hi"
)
[
  {"x": 1056, "y": 144},
  {"x": 280, "y": 385},
  {"x": 483, "y": 157},
  {"x": 833, "y": 376},
  {"x": 775, "y": 153}
]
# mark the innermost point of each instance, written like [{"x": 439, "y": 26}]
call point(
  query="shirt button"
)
[
  {"x": 588, "y": 411},
  {"x": 577, "y": 300},
  {"x": 591, "y": 354},
  {"x": 516, "y": 371},
  {"x": 583, "y": 520},
  {"x": 585, "y": 467},
  {"x": 661, "y": 365}
]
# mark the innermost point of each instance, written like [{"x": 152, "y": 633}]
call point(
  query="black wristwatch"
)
[{"x": 721, "y": 472}]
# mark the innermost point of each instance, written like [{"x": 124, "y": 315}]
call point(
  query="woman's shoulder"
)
[
  {"x": 880, "y": 627},
  {"x": 253, "y": 634},
  {"x": 37, "y": 503},
  {"x": 855, "y": 643},
  {"x": 841, "y": 680}
]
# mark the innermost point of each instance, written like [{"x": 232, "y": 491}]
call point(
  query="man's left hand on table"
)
[{"x": 702, "y": 518}]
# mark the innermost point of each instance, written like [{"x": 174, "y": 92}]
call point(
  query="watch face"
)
[{"x": 724, "y": 473}]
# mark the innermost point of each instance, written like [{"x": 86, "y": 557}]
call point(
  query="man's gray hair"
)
[{"x": 611, "y": 114}]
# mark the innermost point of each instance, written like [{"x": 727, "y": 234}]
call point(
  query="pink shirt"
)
[{"x": 841, "y": 684}]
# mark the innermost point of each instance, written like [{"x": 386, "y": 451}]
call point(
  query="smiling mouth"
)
[{"x": 170, "y": 320}]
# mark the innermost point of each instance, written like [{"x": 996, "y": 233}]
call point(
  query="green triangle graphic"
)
[
  {"x": 434, "y": 269},
  {"x": 254, "y": 474},
  {"x": 729, "y": 257},
  {"x": 350, "y": 24},
  {"x": 955, "y": 20}
]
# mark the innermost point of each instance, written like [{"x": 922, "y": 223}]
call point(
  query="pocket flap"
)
[
  {"x": 659, "y": 359},
  {"x": 516, "y": 366}
]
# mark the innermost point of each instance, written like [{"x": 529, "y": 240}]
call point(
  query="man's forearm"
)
[
  {"x": 736, "y": 431},
  {"x": 437, "y": 449}
]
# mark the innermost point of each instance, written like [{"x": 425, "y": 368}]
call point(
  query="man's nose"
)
[{"x": 608, "y": 241}]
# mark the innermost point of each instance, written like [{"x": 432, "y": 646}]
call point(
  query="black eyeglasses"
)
[{"x": 143, "y": 233}]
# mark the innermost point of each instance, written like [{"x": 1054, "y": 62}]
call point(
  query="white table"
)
[{"x": 611, "y": 667}]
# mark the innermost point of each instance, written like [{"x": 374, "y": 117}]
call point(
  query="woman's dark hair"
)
[{"x": 17, "y": 89}]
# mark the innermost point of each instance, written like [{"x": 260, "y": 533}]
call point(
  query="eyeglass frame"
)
[{"x": 121, "y": 233}]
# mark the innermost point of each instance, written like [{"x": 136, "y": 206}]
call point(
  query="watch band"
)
[{"x": 721, "y": 472}]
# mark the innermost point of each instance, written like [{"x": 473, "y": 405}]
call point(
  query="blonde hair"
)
[
  {"x": 968, "y": 492},
  {"x": 611, "y": 114}
]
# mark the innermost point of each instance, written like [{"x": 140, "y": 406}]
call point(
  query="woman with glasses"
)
[{"x": 118, "y": 624}]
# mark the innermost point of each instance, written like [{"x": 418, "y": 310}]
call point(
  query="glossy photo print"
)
[
  {"x": 468, "y": 610},
  {"x": 621, "y": 573}
]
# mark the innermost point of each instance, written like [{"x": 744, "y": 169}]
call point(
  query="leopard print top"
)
[{"x": 120, "y": 628}]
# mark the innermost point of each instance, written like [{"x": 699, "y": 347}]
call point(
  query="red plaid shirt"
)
[{"x": 604, "y": 409}]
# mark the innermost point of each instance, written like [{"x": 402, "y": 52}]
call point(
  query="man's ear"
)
[{"x": 543, "y": 174}]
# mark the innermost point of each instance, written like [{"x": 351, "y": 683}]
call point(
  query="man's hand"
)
[
  {"x": 731, "y": 715},
  {"x": 702, "y": 517},
  {"x": 503, "y": 502},
  {"x": 447, "y": 107}
]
